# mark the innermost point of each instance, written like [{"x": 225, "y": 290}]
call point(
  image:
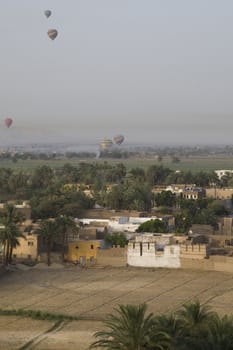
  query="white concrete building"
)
[
  {"x": 221, "y": 173},
  {"x": 119, "y": 224},
  {"x": 153, "y": 251}
]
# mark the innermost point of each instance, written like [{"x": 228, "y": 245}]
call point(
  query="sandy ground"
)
[{"x": 93, "y": 293}]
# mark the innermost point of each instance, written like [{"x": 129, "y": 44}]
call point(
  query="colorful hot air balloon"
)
[
  {"x": 8, "y": 122},
  {"x": 118, "y": 139},
  {"x": 52, "y": 33},
  {"x": 47, "y": 13}
]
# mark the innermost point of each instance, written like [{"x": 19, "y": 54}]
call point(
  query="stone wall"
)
[
  {"x": 193, "y": 251},
  {"x": 213, "y": 263},
  {"x": 115, "y": 256}
]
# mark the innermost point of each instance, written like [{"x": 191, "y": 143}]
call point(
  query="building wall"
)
[
  {"x": 24, "y": 209},
  {"x": 193, "y": 251},
  {"x": 214, "y": 263},
  {"x": 161, "y": 238},
  {"x": 147, "y": 255},
  {"x": 202, "y": 229},
  {"x": 219, "y": 193},
  {"x": 83, "y": 252},
  {"x": 227, "y": 227},
  {"x": 108, "y": 214},
  {"x": 115, "y": 256},
  {"x": 28, "y": 248}
]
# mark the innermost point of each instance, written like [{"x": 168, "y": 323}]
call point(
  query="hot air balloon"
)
[
  {"x": 47, "y": 13},
  {"x": 8, "y": 122},
  {"x": 118, "y": 139},
  {"x": 52, "y": 33}
]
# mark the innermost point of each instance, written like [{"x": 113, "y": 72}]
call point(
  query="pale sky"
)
[{"x": 158, "y": 71}]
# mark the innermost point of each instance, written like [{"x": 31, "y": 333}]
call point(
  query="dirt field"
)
[{"x": 92, "y": 294}]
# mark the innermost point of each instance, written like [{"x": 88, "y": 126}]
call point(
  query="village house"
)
[
  {"x": 27, "y": 250},
  {"x": 83, "y": 252},
  {"x": 24, "y": 209},
  {"x": 193, "y": 192}
]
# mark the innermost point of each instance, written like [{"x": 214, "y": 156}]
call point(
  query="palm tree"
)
[
  {"x": 48, "y": 231},
  {"x": 196, "y": 320},
  {"x": 174, "y": 328},
  {"x": 129, "y": 329},
  {"x": 221, "y": 334},
  {"x": 65, "y": 226},
  {"x": 9, "y": 233}
]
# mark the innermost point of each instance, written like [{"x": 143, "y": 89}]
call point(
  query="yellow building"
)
[
  {"x": 27, "y": 249},
  {"x": 83, "y": 252}
]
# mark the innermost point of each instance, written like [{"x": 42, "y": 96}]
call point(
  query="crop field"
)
[
  {"x": 91, "y": 294},
  {"x": 192, "y": 163}
]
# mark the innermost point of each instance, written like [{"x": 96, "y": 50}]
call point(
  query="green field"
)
[{"x": 194, "y": 163}]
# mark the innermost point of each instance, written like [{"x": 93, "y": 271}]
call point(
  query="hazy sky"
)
[{"x": 153, "y": 70}]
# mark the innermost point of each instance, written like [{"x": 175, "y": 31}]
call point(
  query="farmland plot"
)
[{"x": 91, "y": 294}]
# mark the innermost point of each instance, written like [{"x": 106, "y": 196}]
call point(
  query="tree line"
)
[{"x": 112, "y": 187}]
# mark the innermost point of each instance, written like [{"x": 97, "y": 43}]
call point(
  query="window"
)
[
  {"x": 92, "y": 247},
  {"x": 30, "y": 243}
]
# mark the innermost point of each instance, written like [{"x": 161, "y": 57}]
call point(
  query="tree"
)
[
  {"x": 182, "y": 222},
  {"x": 217, "y": 208},
  {"x": 165, "y": 198},
  {"x": 117, "y": 239},
  {"x": 220, "y": 335},
  {"x": 48, "y": 230},
  {"x": 137, "y": 196},
  {"x": 156, "y": 226},
  {"x": 128, "y": 329},
  {"x": 9, "y": 233},
  {"x": 173, "y": 327},
  {"x": 115, "y": 199},
  {"x": 65, "y": 226},
  {"x": 196, "y": 319},
  {"x": 137, "y": 174},
  {"x": 157, "y": 174},
  {"x": 42, "y": 178}
]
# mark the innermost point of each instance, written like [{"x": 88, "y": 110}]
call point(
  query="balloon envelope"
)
[
  {"x": 8, "y": 122},
  {"x": 118, "y": 139},
  {"x": 48, "y": 13},
  {"x": 52, "y": 33}
]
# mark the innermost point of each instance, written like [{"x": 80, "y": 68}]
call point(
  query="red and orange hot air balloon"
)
[
  {"x": 8, "y": 122},
  {"x": 52, "y": 33}
]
